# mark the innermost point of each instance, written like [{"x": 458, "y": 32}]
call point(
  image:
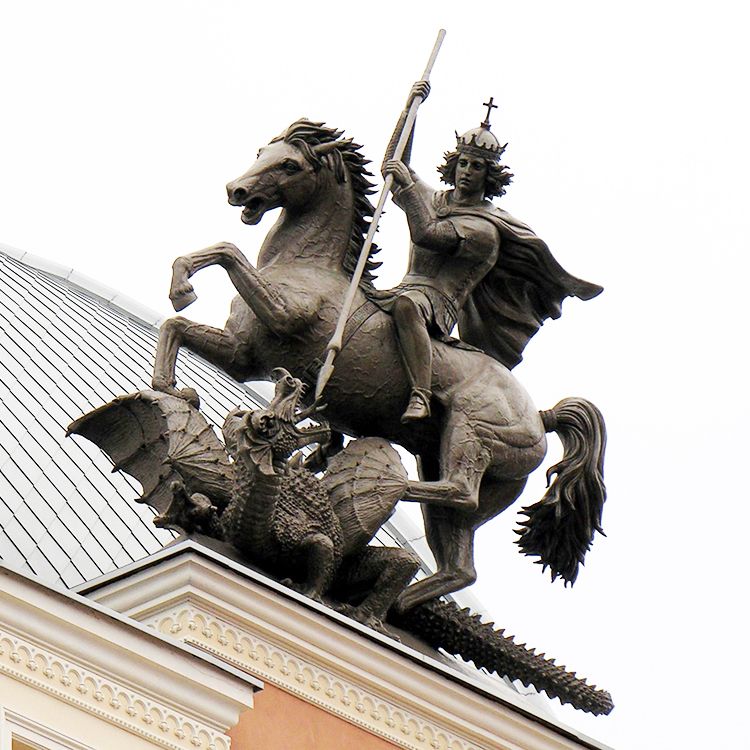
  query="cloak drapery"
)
[{"x": 524, "y": 288}]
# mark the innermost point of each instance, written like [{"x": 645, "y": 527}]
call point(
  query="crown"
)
[{"x": 480, "y": 142}]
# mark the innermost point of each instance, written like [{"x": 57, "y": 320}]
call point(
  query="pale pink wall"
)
[{"x": 281, "y": 721}]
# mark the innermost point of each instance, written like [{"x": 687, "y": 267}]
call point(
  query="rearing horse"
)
[{"x": 485, "y": 436}]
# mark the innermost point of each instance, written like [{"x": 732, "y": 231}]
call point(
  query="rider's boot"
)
[{"x": 419, "y": 405}]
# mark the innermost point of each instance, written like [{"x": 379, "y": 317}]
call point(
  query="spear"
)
[{"x": 334, "y": 345}]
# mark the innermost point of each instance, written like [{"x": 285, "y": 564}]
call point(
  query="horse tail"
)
[{"x": 559, "y": 529}]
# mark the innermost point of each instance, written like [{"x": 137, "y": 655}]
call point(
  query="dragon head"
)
[{"x": 271, "y": 435}]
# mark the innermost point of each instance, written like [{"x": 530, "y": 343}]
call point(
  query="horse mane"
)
[{"x": 345, "y": 155}]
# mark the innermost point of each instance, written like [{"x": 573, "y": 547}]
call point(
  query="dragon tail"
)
[{"x": 443, "y": 624}]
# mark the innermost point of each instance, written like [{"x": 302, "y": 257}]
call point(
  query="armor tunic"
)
[{"x": 446, "y": 273}]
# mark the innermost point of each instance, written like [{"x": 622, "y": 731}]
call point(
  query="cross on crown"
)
[{"x": 490, "y": 106}]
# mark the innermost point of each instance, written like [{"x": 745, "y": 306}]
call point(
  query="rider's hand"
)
[
  {"x": 420, "y": 88},
  {"x": 400, "y": 172}
]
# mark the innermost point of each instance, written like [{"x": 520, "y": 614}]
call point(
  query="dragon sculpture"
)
[
  {"x": 305, "y": 519},
  {"x": 287, "y": 520}
]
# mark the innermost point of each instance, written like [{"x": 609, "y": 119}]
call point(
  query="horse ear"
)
[
  {"x": 339, "y": 171},
  {"x": 325, "y": 148}
]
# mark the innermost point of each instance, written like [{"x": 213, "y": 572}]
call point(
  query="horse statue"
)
[{"x": 485, "y": 435}]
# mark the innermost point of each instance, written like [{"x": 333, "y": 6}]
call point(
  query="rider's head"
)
[{"x": 472, "y": 148}]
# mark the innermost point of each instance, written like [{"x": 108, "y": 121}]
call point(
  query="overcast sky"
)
[{"x": 629, "y": 138}]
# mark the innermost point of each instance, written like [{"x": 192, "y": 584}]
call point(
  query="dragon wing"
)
[
  {"x": 158, "y": 439},
  {"x": 364, "y": 481}
]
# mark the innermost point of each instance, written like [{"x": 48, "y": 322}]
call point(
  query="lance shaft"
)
[{"x": 334, "y": 345}]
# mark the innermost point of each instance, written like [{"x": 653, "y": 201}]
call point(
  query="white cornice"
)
[
  {"x": 120, "y": 671},
  {"x": 407, "y": 697}
]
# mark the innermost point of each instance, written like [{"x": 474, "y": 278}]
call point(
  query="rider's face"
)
[{"x": 470, "y": 176}]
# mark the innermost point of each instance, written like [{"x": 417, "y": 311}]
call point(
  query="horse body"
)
[{"x": 485, "y": 436}]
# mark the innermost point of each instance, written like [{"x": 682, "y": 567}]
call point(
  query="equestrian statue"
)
[
  {"x": 402, "y": 375},
  {"x": 471, "y": 424}
]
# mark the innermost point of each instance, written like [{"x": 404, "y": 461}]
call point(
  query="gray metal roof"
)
[
  {"x": 68, "y": 346},
  {"x": 64, "y": 516}
]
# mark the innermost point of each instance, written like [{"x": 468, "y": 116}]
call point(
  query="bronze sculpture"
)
[
  {"x": 268, "y": 505},
  {"x": 472, "y": 426},
  {"x": 484, "y": 437}
]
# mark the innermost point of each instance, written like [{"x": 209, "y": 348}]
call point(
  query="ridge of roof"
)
[{"x": 122, "y": 302}]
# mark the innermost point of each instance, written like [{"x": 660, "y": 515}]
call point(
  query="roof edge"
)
[
  {"x": 191, "y": 574},
  {"x": 86, "y": 652},
  {"x": 122, "y": 302}
]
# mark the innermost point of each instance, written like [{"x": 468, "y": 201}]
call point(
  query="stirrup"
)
[{"x": 419, "y": 405}]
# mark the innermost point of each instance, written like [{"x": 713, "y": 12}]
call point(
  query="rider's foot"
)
[{"x": 419, "y": 406}]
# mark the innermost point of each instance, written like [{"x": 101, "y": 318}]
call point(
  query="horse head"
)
[{"x": 320, "y": 179}]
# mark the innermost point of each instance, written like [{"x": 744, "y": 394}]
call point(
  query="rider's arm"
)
[
  {"x": 391, "y": 150},
  {"x": 420, "y": 88},
  {"x": 426, "y": 229}
]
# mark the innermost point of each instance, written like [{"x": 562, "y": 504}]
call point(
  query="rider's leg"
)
[{"x": 411, "y": 314}]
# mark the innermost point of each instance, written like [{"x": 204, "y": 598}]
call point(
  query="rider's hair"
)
[{"x": 497, "y": 178}]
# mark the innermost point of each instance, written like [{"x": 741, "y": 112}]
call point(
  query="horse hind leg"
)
[
  {"x": 450, "y": 536},
  {"x": 455, "y": 482},
  {"x": 451, "y": 540},
  {"x": 213, "y": 344}
]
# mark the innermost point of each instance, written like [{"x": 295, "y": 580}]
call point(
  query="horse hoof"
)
[
  {"x": 187, "y": 394},
  {"x": 191, "y": 396},
  {"x": 181, "y": 300}
]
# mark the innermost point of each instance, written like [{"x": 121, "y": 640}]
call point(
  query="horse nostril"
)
[{"x": 236, "y": 193}]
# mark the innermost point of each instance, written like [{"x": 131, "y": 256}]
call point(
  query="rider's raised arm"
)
[{"x": 420, "y": 88}]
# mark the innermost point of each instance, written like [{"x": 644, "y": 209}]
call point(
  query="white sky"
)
[{"x": 628, "y": 133}]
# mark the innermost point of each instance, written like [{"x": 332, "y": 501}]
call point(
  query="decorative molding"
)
[
  {"x": 98, "y": 694},
  {"x": 410, "y": 697},
  {"x": 116, "y": 669},
  {"x": 321, "y": 687}
]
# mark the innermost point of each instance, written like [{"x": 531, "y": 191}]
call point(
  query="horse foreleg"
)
[
  {"x": 273, "y": 308},
  {"x": 217, "y": 346},
  {"x": 181, "y": 292}
]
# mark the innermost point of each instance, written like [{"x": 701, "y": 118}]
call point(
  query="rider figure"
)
[{"x": 453, "y": 246}]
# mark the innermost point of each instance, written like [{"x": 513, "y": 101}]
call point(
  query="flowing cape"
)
[{"x": 524, "y": 288}]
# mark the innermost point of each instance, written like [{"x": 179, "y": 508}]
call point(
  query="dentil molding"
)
[{"x": 118, "y": 670}]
